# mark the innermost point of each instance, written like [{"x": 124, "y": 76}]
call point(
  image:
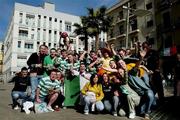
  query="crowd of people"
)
[{"x": 121, "y": 83}]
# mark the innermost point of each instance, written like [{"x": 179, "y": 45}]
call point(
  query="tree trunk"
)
[
  {"x": 96, "y": 42},
  {"x": 86, "y": 42}
]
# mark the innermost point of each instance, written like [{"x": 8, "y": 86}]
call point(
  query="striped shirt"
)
[
  {"x": 62, "y": 63},
  {"x": 74, "y": 66},
  {"x": 46, "y": 84}
]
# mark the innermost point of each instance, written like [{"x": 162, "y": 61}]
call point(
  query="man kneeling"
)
[{"x": 48, "y": 88}]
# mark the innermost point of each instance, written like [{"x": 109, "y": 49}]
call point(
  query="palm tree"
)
[
  {"x": 81, "y": 29},
  {"x": 98, "y": 21}
]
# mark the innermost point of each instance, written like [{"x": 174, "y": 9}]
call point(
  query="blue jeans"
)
[
  {"x": 112, "y": 105},
  {"x": 16, "y": 95},
  {"x": 99, "y": 105},
  {"x": 34, "y": 84},
  {"x": 147, "y": 101}
]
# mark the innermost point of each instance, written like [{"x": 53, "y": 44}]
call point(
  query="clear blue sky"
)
[{"x": 76, "y": 7}]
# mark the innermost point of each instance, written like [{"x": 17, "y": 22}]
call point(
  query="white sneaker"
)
[
  {"x": 50, "y": 108},
  {"x": 86, "y": 113},
  {"x": 115, "y": 114},
  {"x": 27, "y": 111},
  {"x": 26, "y": 106},
  {"x": 132, "y": 115},
  {"x": 16, "y": 107},
  {"x": 64, "y": 107}
]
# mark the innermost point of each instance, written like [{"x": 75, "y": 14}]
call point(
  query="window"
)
[
  {"x": 23, "y": 33},
  {"x": 49, "y": 35},
  {"x": 168, "y": 41},
  {"x": 133, "y": 6},
  {"x": 149, "y": 6},
  {"x": 133, "y": 24},
  {"x": 55, "y": 36},
  {"x": 55, "y": 20},
  {"x": 38, "y": 34},
  {"x": 21, "y": 17},
  {"x": 50, "y": 22},
  {"x": 30, "y": 19},
  {"x": 68, "y": 27},
  {"x": 21, "y": 60},
  {"x": 121, "y": 29},
  {"x": 50, "y": 18},
  {"x": 49, "y": 45},
  {"x": 44, "y": 34},
  {"x": 149, "y": 23},
  {"x": 19, "y": 44},
  {"x": 21, "y": 57},
  {"x": 28, "y": 45},
  {"x": 44, "y": 22},
  {"x": 32, "y": 36},
  {"x": 120, "y": 16},
  {"x": 60, "y": 25},
  {"x": 39, "y": 20},
  {"x": 136, "y": 39},
  {"x": 166, "y": 19}
]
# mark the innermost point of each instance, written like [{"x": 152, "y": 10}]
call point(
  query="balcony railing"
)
[
  {"x": 120, "y": 20},
  {"x": 162, "y": 5}
]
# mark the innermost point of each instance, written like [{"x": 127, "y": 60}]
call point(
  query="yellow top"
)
[
  {"x": 97, "y": 89},
  {"x": 105, "y": 62},
  {"x": 141, "y": 70}
]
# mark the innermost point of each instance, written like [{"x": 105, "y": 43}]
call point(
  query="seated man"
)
[
  {"x": 59, "y": 101},
  {"x": 22, "y": 80},
  {"x": 48, "y": 88}
]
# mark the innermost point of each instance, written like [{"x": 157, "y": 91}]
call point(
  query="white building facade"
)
[{"x": 30, "y": 27}]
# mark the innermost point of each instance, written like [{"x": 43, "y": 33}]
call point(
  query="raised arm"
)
[
  {"x": 112, "y": 49},
  {"x": 83, "y": 55}
]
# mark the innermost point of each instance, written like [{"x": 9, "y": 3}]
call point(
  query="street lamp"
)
[{"x": 137, "y": 12}]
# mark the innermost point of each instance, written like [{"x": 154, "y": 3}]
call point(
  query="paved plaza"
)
[
  {"x": 168, "y": 111},
  {"x": 7, "y": 113}
]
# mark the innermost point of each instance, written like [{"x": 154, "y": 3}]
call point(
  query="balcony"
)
[
  {"x": 23, "y": 35},
  {"x": 120, "y": 20},
  {"x": 121, "y": 36},
  {"x": 163, "y": 4},
  {"x": 134, "y": 31}
]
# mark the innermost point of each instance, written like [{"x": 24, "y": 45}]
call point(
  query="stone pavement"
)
[{"x": 7, "y": 113}]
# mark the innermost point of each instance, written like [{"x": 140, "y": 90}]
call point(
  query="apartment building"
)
[
  {"x": 168, "y": 24},
  {"x": 128, "y": 26},
  {"x": 1, "y": 56},
  {"x": 31, "y": 26}
]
